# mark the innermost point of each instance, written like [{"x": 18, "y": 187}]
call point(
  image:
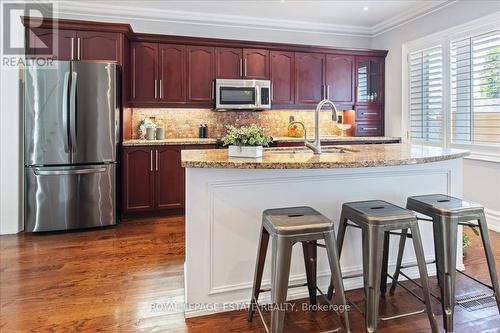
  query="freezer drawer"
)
[{"x": 71, "y": 197}]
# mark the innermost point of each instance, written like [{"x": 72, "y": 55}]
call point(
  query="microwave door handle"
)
[
  {"x": 65, "y": 111},
  {"x": 257, "y": 96}
]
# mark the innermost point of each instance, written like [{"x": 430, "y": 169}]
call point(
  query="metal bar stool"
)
[
  {"x": 287, "y": 226},
  {"x": 376, "y": 219},
  {"x": 446, "y": 214}
]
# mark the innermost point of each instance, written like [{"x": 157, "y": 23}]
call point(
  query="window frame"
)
[{"x": 444, "y": 38}]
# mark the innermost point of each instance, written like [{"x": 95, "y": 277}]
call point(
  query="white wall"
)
[
  {"x": 481, "y": 178},
  {"x": 10, "y": 151}
]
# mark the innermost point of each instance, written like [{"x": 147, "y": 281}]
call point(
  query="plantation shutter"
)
[
  {"x": 426, "y": 94},
  {"x": 475, "y": 90}
]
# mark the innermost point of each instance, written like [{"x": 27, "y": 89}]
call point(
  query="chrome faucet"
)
[{"x": 316, "y": 145}]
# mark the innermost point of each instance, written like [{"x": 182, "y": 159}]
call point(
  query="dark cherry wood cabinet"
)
[
  {"x": 40, "y": 42},
  {"x": 153, "y": 178},
  {"x": 95, "y": 45},
  {"x": 200, "y": 75},
  {"x": 309, "y": 78},
  {"x": 138, "y": 179},
  {"x": 228, "y": 63},
  {"x": 144, "y": 70},
  {"x": 282, "y": 67},
  {"x": 169, "y": 178},
  {"x": 339, "y": 78},
  {"x": 369, "y": 80},
  {"x": 256, "y": 64},
  {"x": 172, "y": 73}
]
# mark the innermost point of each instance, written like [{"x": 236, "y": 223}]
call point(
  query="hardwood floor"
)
[{"x": 115, "y": 279}]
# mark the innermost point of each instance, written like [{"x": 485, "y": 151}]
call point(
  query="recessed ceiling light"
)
[{"x": 365, "y": 8}]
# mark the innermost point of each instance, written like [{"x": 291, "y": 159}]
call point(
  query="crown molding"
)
[
  {"x": 407, "y": 16},
  {"x": 117, "y": 12}
]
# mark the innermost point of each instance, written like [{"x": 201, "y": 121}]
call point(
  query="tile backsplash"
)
[{"x": 183, "y": 123}]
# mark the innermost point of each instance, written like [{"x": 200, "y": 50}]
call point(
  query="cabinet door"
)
[
  {"x": 172, "y": 80},
  {"x": 169, "y": 178},
  {"x": 144, "y": 66},
  {"x": 339, "y": 78},
  {"x": 228, "y": 63},
  {"x": 282, "y": 77},
  {"x": 369, "y": 80},
  {"x": 94, "y": 45},
  {"x": 200, "y": 74},
  {"x": 369, "y": 129},
  {"x": 41, "y": 42},
  {"x": 309, "y": 78},
  {"x": 138, "y": 179},
  {"x": 256, "y": 64}
]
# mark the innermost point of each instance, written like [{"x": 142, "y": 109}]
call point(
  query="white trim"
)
[
  {"x": 117, "y": 12},
  {"x": 493, "y": 219}
]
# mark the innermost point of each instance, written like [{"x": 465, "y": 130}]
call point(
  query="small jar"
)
[{"x": 160, "y": 133}]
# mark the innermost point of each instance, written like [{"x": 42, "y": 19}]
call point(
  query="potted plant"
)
[{"x": 246, "y": 141}]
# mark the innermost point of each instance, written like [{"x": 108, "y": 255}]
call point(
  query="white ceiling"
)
[{"x": 321, "y": 15}]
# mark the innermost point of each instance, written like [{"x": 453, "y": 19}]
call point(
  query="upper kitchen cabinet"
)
[
  {"x": 172, "y": 73},
  {"x": 339, "y": 78},
  {"x": 369, "y": 80},
  {"x": 144, "y": 70},
  {"x": 228, "y": 63},
  {"x": 92, "y": 45},
  {"x": 309, "y": 78},
  {"x": 256, "y": 64},
  {"x": 235, "y": 63},
  {"x": 282, "y": 77},
  {"x": 76, "y": 45},
  {"x": 40, "y": 41},
  {"x": 200, "y": 75}
]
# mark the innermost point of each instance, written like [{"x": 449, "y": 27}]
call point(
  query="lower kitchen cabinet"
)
[{"x": 153, "y": 178}]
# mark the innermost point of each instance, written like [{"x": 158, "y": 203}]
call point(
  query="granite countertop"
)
[
  {"x": 355, "y": 156},
  {"x": 211, "y": 141},
  {"x": 173, "y": 141}
]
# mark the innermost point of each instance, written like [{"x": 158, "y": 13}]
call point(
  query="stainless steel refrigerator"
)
[{"x": 71, "y": 136}]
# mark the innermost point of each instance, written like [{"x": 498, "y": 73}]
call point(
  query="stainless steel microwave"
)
[{"x": 235, "y": 94}]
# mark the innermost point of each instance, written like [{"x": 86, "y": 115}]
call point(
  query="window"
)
[
  {"x": 475, "y": 90},
  {"x": 426, "y": 94},
  {"x": 453, "y": 87}
]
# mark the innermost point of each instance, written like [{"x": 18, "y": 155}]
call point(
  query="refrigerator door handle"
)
[
  {"x": 54, "y": 172},
  {"x": 65, "y": 112},
  {"x": 72, "y": 110}
]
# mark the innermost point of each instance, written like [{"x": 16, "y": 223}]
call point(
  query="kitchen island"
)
[{"x": 225, "y": 198}]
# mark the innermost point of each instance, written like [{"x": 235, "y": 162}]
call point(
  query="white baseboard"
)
[{"x": 493, "y": 219}]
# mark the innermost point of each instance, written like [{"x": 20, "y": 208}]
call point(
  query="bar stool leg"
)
[
  {"x": 373, "y": 245},
  {"x": 333, "y": 258},
  {"x": 489, "y": 257},
  {"x": 447, "y": 245},
  {"x": 340, "y": 244},
  {"x": 402, "y": 243},
  {"x": 422, "y": 268},
  {"x": 282, "y": 255},
  {"x": 385, "y": 263},
  {"x": 310, "y": 259},
  {"x": 259, "y": 269},
  {"x": 438, "y": 255}
]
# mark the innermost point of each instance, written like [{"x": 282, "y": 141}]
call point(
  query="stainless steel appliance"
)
[
  {"x": 237, "y": 94},
  {"x": 71, "y": 135}
]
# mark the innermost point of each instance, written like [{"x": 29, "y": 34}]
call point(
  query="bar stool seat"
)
[
  {"x": 287, "y": 226},
  {"x": 376, "y": 219},
  {"x": 295, "y": 220},
  {"x": 447, "y": 213}
]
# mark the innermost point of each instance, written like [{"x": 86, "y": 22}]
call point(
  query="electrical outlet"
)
[{"x": 291, "y": 118}]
